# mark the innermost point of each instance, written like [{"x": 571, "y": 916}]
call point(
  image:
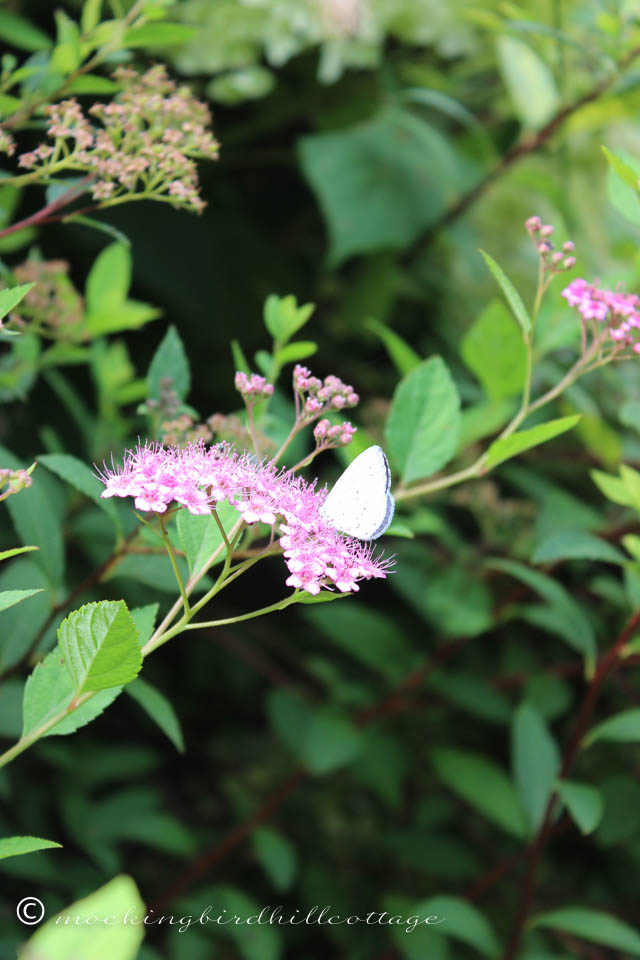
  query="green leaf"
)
[
  {"x": 8, "y": 598},
  {"x": 294, "y": 352},
  {"x": 493, "y": 349},
  {"x": 322, "y": 738},
  {"x": 20, "y": 33},
  {"x": 507, "y": 447},
  {"x": 593, "y": 925},
  {"x": 536, "y": 762},
  {"x": 462, "y": 772},
  {"x": 623, "y": 727},
  {"x": 463, "y": 922},
  {"x": 49, "y": 691},
  {"x": 403, "y": 357},
  {"x": 36, "y": 518},
  {"x": 283, "y": 317},
  {"x": 624, "y": 489},
  {"x": 79, "y": 475},
  {"x": 159, "y": 708},
  {"x": 158, "y": 35},
  {"x": 276, "y": 855},
  {"x": 126, "y": 315},
  {"x": 512, "y": 296},
  {"x": 584, "y": 803},
  {"x": 529, "y": 82},
  {"x": 6, "y": 554},
  {"x": 169, "y": 363},
  {"x": 100, "y": 646},
  {"x": 17, "y": 846},
  {"x": 59, "y": 940},
  {"x": 571, "y": 622},
  {"x": 109, "y": 279},
  {"x": 145, "y": 619},
  {"x": 91, "y": 83},
  {"x": 90, "y": 16},
  {"x": 576, "y": 545},
  {"x": 10, "y": 298},
  {"x": 200, "y": 535},
  {"x": 372, "y": 183},
  {"x": 423, "y": 426},
  {"x": 622, "y": 190}
]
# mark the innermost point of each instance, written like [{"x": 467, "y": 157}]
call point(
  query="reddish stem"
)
[{"x": 41, "y": 216}]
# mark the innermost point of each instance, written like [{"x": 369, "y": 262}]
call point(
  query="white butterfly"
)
[{"x": 360, "y": 503}]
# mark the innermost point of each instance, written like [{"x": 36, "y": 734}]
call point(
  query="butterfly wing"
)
[{"x": 360, "y": 503}]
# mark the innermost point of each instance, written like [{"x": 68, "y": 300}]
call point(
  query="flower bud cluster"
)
[
  {"x": 252, "y": 388},
  {"x": 556, "y": 261},
  {"x": 315, "y": 397},
  {"x": 53, "y": 307},
  {"x": 327, "y": 436}
]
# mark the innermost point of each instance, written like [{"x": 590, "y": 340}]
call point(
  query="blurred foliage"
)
[{"x": 398, "y": 750}]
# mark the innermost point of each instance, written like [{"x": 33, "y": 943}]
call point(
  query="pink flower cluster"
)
[
  {"x": 619, "y": 311},
  {"x": 254, "y": 387},
  {"x": 198, "y": 477},
  {"x": 327, "y": 436},
  {"x": 150, "y": 136}
]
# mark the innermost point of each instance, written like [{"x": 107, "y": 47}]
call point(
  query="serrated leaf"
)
[
  {"x": 423, "y": 426},
  {"x": 49, "y": 692},
  {"x": 17, "y": 846},
  {"x": 462, "y": 772},
  {"x": 11, "y": 297},
  {"x": 584, "y": 803},
  {"x": 594, "y": 925},
  {"x": 536, "y": 762},
  {"x": 9, "y": 598},
  {"x": 169, "y": 363},
  {"x": 512, "y": 296},
  {"x": 159, "y": 708},
  {"x": 145, "y": 619},
  {"x": 100, "y": 646},
  {"x": 623, "y": 727},
  {"x": 507, "y": 447}
]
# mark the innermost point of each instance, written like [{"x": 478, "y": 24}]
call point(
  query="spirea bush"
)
[{"x": 390, "y": 576}]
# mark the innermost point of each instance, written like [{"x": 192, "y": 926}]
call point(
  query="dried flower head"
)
[{"x": 53, "y": 307}]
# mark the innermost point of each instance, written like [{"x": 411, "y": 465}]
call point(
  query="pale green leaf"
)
[
  {"x": 169, "y": 363},
  {"x": 512, "y": 296},
  {"x": 100, "y": 646},
  {"x": 17, "y": 846},
  {"x": 6, "y": 554},
  {"x": 424, "y": 422},
  {"x": 507, "y": 447},
  {"x": 58, "y": 940},
  {"x": 623, "y": 727},
  {"x": 10, "y": 298},
  {"x": 493, "y": 349},
  {"x": 109, "y": 279},
  {"x": 529, "y": 81},
  {"x": 8, "y": 598}
]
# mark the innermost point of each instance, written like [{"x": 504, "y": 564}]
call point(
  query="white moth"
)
[{"x": 360, "y": 504}]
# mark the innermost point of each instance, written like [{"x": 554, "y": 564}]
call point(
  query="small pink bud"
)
[
  {"x": 568, "y": 246},
  {"x": 533, "y": 224},
  {"x": 569, "y": 263},
  {"x": 546, "y": 231}
]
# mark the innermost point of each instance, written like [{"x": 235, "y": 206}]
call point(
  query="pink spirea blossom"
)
[
  {"x": 253, "y": 386},
  {"x": 619, "y": 311},
  {"x": 197, "y": 477}
]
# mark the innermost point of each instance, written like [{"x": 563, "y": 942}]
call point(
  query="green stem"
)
[
  {"x": 174, "y": 564},
  {"x": 280, "y": 605}
]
